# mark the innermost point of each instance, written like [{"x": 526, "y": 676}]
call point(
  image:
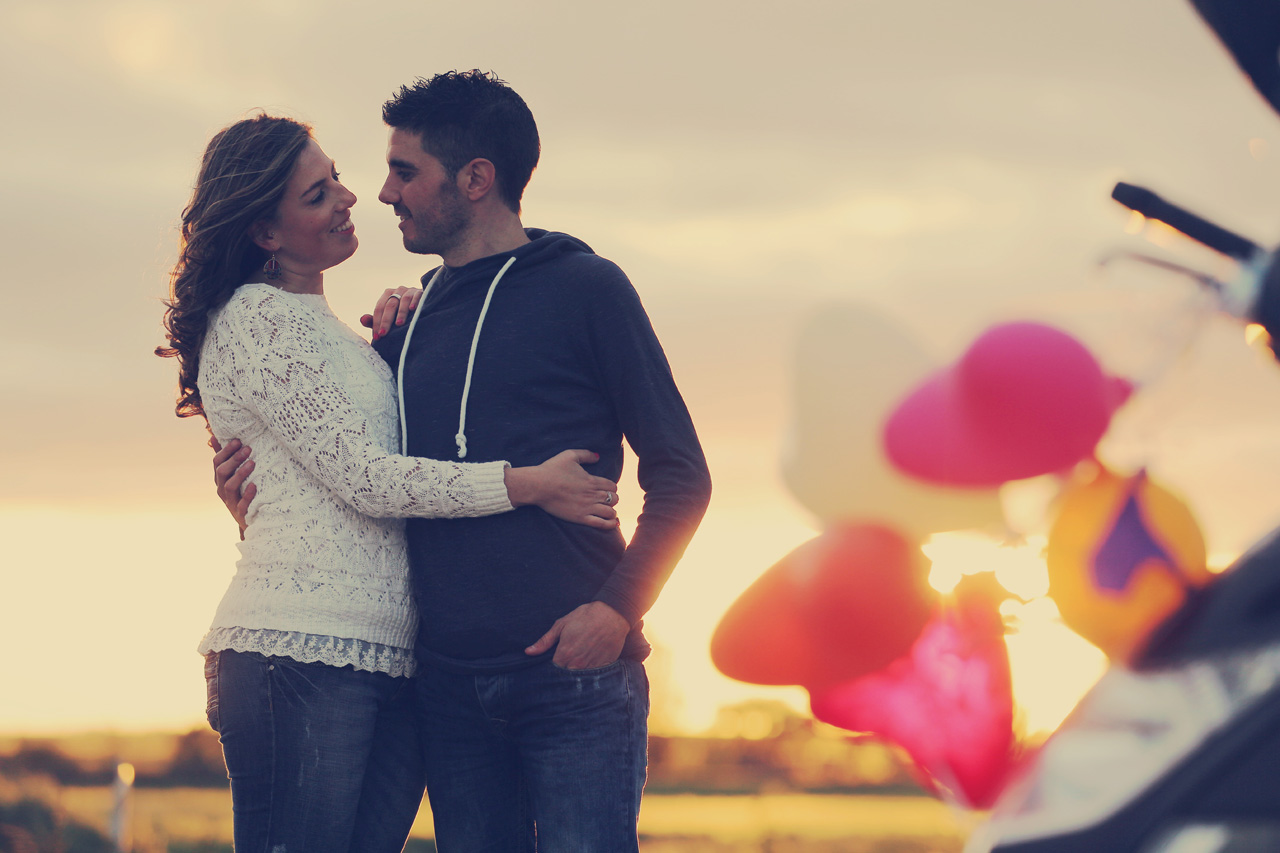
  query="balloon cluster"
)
[{"x": 886, "y": 451}]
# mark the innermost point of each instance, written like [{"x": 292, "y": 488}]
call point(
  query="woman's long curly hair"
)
[{"x": 242, "y": 180}]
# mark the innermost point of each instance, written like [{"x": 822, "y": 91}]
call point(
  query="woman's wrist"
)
[{"x": 522, "y": 486}]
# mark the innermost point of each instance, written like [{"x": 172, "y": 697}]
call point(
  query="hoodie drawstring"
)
[{"x": 461, "y": 437}]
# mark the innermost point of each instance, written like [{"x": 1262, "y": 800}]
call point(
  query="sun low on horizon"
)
[{"x": 122, "y": 657}]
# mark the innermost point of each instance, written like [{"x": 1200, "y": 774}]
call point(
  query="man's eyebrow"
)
[{"x": 401, "y": 164}]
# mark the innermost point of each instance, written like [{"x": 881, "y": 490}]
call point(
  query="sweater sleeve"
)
[
  {"x": 286, "y": 378},
  {"x": 671, "y": 470}
]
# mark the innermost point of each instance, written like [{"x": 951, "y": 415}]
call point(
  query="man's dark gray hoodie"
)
[{"x": 565, "y": 358}]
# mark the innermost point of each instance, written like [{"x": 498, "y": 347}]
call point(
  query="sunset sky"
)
[{"x": 751, "y": 166}]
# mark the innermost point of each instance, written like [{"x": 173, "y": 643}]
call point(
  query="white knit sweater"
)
[{"x": 323, "y": 554}]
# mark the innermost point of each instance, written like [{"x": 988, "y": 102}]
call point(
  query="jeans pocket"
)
[{"x": 211, "y": 691}]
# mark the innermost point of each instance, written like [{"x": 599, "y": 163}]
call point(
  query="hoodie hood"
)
[{"x": 543, "y": 246}]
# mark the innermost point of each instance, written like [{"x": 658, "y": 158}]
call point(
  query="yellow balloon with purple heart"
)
[{"x": 1123, "y": 554}]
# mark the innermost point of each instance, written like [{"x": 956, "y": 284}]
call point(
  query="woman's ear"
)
[{"x": 261, "y": 234}]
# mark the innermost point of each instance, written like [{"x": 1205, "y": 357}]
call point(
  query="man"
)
[{"x": 531, "y": 689}]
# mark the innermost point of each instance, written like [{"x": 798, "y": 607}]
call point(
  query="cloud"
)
[{"x": 934, "y": 157}]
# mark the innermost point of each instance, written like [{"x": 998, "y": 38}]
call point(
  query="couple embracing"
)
[{"x": 489, "y": 647}]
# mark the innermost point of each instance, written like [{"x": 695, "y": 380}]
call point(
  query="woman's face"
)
[{"x": 312, "y": 230}]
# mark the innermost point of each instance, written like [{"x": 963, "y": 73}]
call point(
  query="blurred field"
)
[
  {"x": 732, "y": 794},
  {"x": 778, "y": 823}
]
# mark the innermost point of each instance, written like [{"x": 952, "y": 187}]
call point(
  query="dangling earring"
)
[{"x": 272, "y": 268}]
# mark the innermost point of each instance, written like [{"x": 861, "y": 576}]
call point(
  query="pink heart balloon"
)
[
  {"x": 1024, "y": 400},
  {"x": 948, "y": 702}
]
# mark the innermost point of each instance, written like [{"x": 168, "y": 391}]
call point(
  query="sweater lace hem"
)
[{"x": 312, "y": 648}]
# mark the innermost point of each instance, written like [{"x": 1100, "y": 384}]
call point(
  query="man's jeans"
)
[
  {"x": 561, "y": 750},
  {"x": 321, "y": 758}
]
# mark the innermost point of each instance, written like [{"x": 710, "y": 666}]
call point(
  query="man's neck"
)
[{"x": 502, "y": 234}]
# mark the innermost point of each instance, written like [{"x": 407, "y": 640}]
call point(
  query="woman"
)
[{"x": 307, "y": 655}]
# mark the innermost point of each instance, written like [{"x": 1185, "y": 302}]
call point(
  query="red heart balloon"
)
[
  {"x": 948, "y": 702},
  {"x": 841, "y": 605},
  {"x": 763, "y": 638}
]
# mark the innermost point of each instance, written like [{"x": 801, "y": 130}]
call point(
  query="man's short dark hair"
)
[{"x": 462, "y": 115}]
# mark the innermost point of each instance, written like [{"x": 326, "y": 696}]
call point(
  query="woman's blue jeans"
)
[
  {"x": 321, "y": 758},
  {"x": 540, "y": 758}
]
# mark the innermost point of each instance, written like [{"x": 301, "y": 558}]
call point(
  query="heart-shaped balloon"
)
[
  {"x": 852, "y": 365},
  {"x": 1123, "y": 553},
  {"x": 948, "y": 702},
  {"x": 841, "y": 605},
  {"x": 1024, "y": 400}
]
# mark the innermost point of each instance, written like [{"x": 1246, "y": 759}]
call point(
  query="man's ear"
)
[
  {"x": 263, "y": 237},
  {"x": 477, "y": 179}
]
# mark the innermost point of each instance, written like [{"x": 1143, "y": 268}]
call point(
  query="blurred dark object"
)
[
  {"x": 1201, "y": 230},
  {"x": 1250, "y": 30},
  {"x": 1267, "y": 311},
  {"x": 1255, "y": 297}
]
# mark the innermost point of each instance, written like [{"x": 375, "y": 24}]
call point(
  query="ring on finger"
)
[{"x": 393, "y": 295}]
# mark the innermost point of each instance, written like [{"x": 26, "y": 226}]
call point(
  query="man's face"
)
[{"x": 433, "y": 212}]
